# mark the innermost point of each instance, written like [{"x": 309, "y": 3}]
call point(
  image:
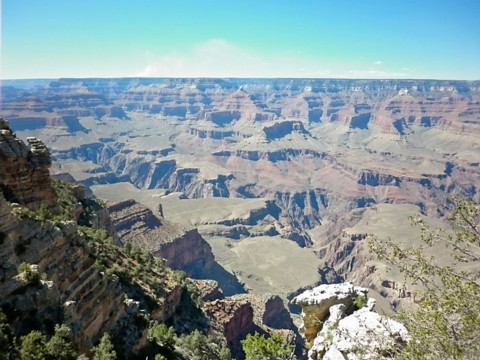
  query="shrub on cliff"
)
[
  {"x": 446, "y": 323},
  {"x": 258, "y": 347}
]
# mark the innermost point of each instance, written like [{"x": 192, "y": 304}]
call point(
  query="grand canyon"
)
[{"x": 268, "y": 187}]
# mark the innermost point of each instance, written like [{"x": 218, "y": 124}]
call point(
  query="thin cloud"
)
[
  {"x": 378, "y": 62},
  {"x": 221, "y": 58},
  {"x": 376, "y": 74}
]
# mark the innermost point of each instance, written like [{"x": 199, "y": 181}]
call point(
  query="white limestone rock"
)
[
  {"x": 317, "y": 302},
  {"x": 328, "y": 292},
  {"x": 336, "y": 329}
]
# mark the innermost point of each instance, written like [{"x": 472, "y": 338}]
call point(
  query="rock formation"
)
[
  {"x": 320, "y": 151},
  {"x": 339, "y": 322},
  {"x": 25, "y": 178},
  {"x": 182, "y": 248},
  {"x": 52, "y": 271}
]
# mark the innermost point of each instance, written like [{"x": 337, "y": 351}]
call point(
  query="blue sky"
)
[{"x": 248, "y": 38}]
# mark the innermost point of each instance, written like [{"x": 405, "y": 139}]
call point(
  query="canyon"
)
[
  {"x": 69, "y": 259},
  {"x": 283, "y": 179}
]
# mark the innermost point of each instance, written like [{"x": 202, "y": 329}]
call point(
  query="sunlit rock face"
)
[
  {"x": 25, "y": 177},
  {"x": 339, "y": 322},
  {"x": 325, "y": 156}
]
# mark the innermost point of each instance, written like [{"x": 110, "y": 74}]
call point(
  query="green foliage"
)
[
  {"x": 163, "y": 336},
  {"x": 65, "y": 199},
  {"x": 21, "y": 212},
  {"x": 257, "y": 347},
  {"x": 446, "y": 323},
  {"x": 33, "y": 346},
  {"x": 31, "y": 276},
  {"x": 43, "y": 214},
  {"x": 104, "y": 350},
  {"x": 7, "y": 345},
  {"x": 60, "y": 346},
  {"x": 179, "y": 276},
  {"x": 197, "y": 346},
  {"x": 192, "y": 346},
  {"x": 360, "y": 301}
]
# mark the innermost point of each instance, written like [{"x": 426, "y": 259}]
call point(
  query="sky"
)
[{"x": 421, "y": 39}]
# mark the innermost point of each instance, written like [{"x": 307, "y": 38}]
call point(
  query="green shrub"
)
[
  {"x": 33, "y": 346},
  {"x": 21, "y": 212},
  {"x": 446, "y": 323},
  {"x": 163, "y": 336},
  {"x": 60, "y": 346},
  {"x": 7, "y": 345},
  {"x": 65, "y": 199},
  {"x": 257, "y": 347},
  {"x": 104, "y": 350},
  {"x": 30, "y": 275},
  {"x": 360, "y": 301}
]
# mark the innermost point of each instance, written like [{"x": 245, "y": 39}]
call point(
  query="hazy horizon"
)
[{"x": 241, "y": 39}]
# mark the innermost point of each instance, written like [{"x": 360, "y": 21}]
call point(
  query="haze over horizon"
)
[{"x": 305, "y": 39}]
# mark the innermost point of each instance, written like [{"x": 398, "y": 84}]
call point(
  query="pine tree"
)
[
  {"x": 33, "y": 346},
  {"x": 104, "y": 350}
]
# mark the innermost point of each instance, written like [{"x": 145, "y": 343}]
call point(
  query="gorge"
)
[{"x": 267, "y": 186}]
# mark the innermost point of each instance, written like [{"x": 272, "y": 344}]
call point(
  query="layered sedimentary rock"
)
[
  {"x": 25, "y": 178},
  {"x": 234, "y": 319},
  {"x": 320, "y": 150},
  {"x": 182, "y": 248},
  {"x": 48, "y": 273},
  {"x": 75, "y": 291}
]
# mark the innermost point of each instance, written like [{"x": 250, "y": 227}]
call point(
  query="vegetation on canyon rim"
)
[{"x": 445, "y": 323}]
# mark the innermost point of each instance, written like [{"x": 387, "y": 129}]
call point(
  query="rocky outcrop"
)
[
  {"x": 189, "y": 252},
  {"x": 48, "y": 268},
  {"x": 182, "y": 248},
  {"x": 233, "y": 319},
  {"x": 273, "y": 156},
  {"x": 284, "y": 128},
  {"x": 209, "y": 290},
  {"x": 238, "y": 105},
  {"x": 269, "y": 311},
  {"x": 211, "y": 134},
  {"x": 25, "y": 178},
  {"x": 74, "y": 292},
  {"x": 339, "y": 322}
]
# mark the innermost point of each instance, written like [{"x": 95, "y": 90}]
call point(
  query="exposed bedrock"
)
[
  {"x": 338, "y": 320},
  {"x": 182, "y": 248},
  {"x": 25, "y": 177},
  {"x": 233, "y": 318},
  {"x": 283, "y": 128},
  {"x": 211, "y": 134},
  {"x": 373, "y": 178},
  {"x": 273, "y": 156}
]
